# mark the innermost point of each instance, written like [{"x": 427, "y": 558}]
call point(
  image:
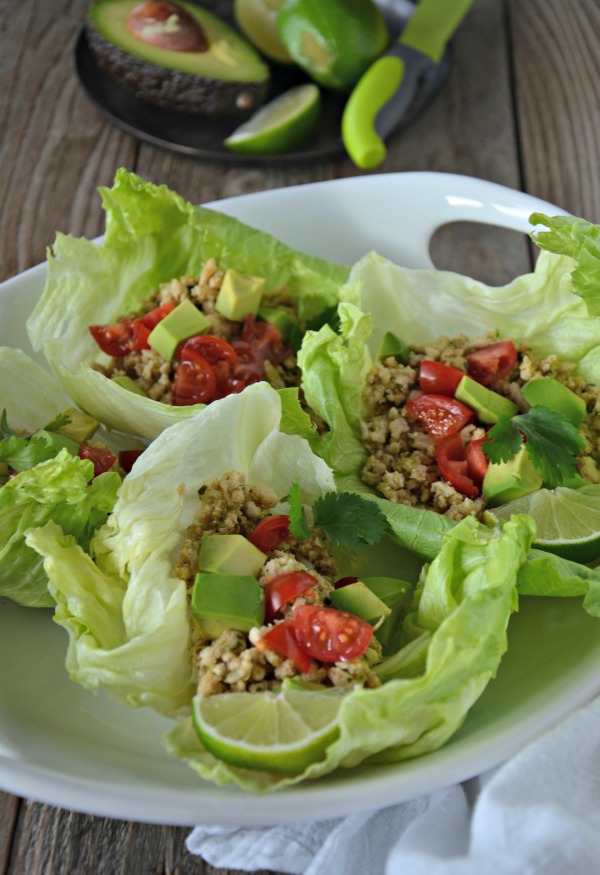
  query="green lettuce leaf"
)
[
  {"x": 125, "y": 611},
  {"x": 57, "y": 490},
  {"x": 462, "y": 610},
  {"x": 152, "y": 235}
]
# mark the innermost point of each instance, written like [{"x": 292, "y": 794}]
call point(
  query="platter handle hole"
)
[{"x": 487, "y": 253}]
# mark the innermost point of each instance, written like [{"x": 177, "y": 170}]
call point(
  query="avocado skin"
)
[{"x": 174, "y": 89}]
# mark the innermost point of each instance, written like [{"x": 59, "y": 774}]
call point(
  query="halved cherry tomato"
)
[
  {"x": 284, "y": 588},
  {"x": 282, "y": 638},
  {"x": 102, "y": 458},
  {"x": 331, "y": 635},
  {"x": 213, "y": 348},
  {"x": 271, "y": 532},
  {"x": 490, "y": 363},
  {"x": 265, "y": 339},
  {"x": 195, "y": 381},
  {"x": 450, "y": 457},
  {"x": 476, "y": 460},
  {"x": 128, "y": 335},
  {"x": 440, "y": 415},
  {"x": 437, "y": 378},
  {"x": 249, "y": 365},
  {"x": 127, "y": 458}
]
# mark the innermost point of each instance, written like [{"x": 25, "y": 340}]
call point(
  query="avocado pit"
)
[{"x": 167, "y": 26}]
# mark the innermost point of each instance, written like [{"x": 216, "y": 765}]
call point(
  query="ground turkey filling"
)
[
  {"x": 154, "y": 374},
  {"x": 240, "y": 662},
  {"x": 402, "y": 462}
]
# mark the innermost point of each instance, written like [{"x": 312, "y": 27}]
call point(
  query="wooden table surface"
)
[{"x": 521, "y": 107}]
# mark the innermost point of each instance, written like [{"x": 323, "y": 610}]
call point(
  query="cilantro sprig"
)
[
  {"x": 347, "y": 518},
  {"x": 551, "y": 440},
  {"x": 22, "y": 452}
]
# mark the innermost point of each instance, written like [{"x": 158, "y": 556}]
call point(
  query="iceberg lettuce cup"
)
[
  {"x": 139, "y": 624},
  {"x": 179, "y": 305}
]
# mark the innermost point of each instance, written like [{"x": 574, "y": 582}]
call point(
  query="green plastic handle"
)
[{"x": 370, "y": 94}]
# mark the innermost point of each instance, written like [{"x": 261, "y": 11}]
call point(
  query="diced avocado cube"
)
[
  {"x": 226, "y": 601},
  {"x": 556, "y": 396},
  {"x": 80, "y": 427},
  {"x": 507, "y": 481},
  {"x": 230, "y": 554},
  {"x": 356, "y": 598},
  {"x": 184, "y": 321},
  {"x": 281, "y": 319},
  {"x": 487, "y": 404},
  {"x": 392, "y": 345},
  {"x": 389, "y": 589},
  {"x": 239, "y": 295},
  {"x": 129, "y": 384}
]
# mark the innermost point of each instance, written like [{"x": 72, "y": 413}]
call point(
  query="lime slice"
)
[
  {"x": 281, "y": 731},
  {"x": 257, "y": 21},
  {"x": 280, "y": 125},
  {"x": 567, "y": 520}
]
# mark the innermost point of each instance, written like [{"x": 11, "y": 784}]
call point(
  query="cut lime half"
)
[
  {"x": 257, "y": 19},
  {"x": 283, "y": 731},
  {"x": 280, "y": 125},
  {"x": 567, "y": 520}
]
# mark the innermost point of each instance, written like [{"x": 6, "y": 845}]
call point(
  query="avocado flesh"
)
[
  {"x": 186, "y": 320},
  {"x": 487, "y": 404},
  {"x": 239, "y": 295},
  {"x": 555, "y": 396},
  {"x": 230, "y": 554},
  {"x": 229, "y": 78},
  {"x": 80, "y": 427},
  {"x": 356, "y": 598},
  {"x": 226, "y": 601},
  {"x": 507, "y": 481}
]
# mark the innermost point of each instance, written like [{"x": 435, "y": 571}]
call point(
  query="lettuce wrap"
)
[
  {"x": 152, "y": 235},
  {"x": 61, "y": 487},
  {"x": 126, "y": 613},
  {"x": 555, "y": 309}
]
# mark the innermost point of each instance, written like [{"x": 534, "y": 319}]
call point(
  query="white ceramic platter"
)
[{"x": 63, "y": 745}]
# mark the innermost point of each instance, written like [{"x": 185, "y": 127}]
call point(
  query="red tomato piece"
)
[
  {"x": 249, "y": 365},
  {"x": 226, "y": 383},
  {"x": 439, "y": 379},
  {"x": 476, "y": 460},
  {"x": 454, "y": 467},
  {"x": 115, "y": 340},
  {"x": 153, "y": 317},
  {"x": 271, "y": 532},
  {"x": 439, "y": 414},
  {"x": 127, "y": 458},
  {"x": 330, "y": 635},
  {"x": 490, "y": 363},
  {"x": 102, "y": 458},
  {"x": 285, "y": 588},
  {"x": 213, "y": 348},
  {"x": 265, "y": 339},
  {"x": 282, "y": 638},
  {"x": 195, "y": 381},
  {"x": 344, "y": 581}
]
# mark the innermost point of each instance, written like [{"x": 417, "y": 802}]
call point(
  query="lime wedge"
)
[
  {"x": 257, "y": 21},
  {"x": 281, "y": 731},
  {"x": 567, "y": 520},
  {"x": 280, "y": 125}
]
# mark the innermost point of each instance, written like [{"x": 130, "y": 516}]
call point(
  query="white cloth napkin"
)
[{"x": 538, "y": 814}]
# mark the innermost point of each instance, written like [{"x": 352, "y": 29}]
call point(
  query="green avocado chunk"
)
[
  {"x": 129, "y": 384},
  {"x": 556, "y": 396},
  {"x": 392, "y": 345},
  {"x": 507, "y": 481},
  {"x": 226, "y": 77},
  {"x": 488, "y": 405},
  {"x": 230, "y": 554},
  {"x": 239, "y": 295},
  {"x": 356, "y": 598},
  {"x": 226, "y": 601},
  {"x": 80, "y": 427},
  {"x": 184, "y": 321}
]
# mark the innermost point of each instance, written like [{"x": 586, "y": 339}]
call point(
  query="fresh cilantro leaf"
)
[
  {"x": 59, "y": 421},
  {"x": 552, "y": 442},
  {"x": 20, "y": 454},
  {"x": 349, "y": 519},
  {"x": 551, "y": 439},
  {"x": 503, "y": 440},
  {"x": 298, "y": 523}
]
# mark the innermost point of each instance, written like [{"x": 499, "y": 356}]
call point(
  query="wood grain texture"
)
[{"x": 521, "y": 107}]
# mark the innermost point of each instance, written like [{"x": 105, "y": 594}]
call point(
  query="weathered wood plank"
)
[{"x": 9, "y": 807}]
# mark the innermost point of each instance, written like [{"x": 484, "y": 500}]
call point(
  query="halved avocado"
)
[{"x": 227, "y": 78}]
